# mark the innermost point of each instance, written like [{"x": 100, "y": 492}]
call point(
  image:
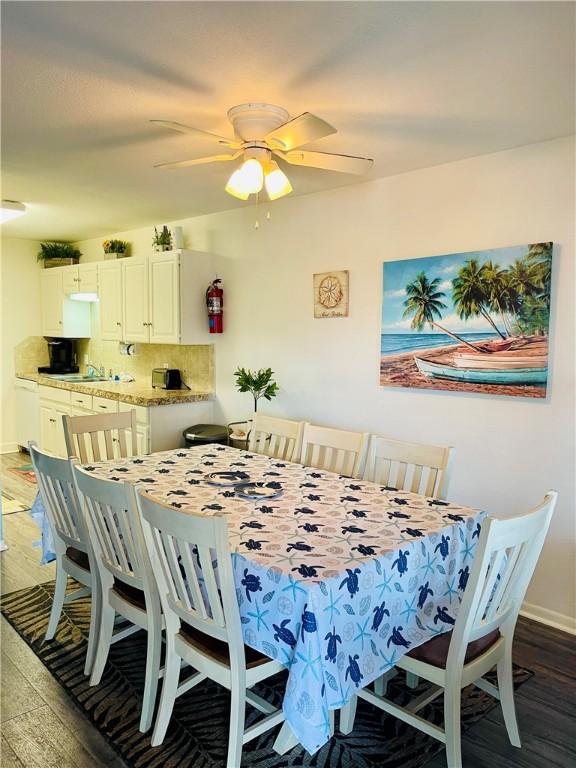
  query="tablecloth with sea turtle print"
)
[{"x": 336, "y": 578}]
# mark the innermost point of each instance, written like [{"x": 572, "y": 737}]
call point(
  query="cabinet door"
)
[
  {"x": 164, "y": 293},
  {"x": 110, "y": 289},
  {"x": 135, "y": 303},
  {"x": 70, "y": 279},
  {"x": 59, "y": 441},
  {"x": 52, "y": 295},
  {"x": 143, "y": 440},
  {"x": 88, "y": 278},
  {"x": 47, "y": 422}
]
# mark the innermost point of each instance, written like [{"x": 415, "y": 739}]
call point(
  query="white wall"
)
[
  {"x": 508, "y": 451},
  {"x": 19, "y": 318}
]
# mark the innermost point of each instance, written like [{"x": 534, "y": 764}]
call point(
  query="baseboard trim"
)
[
  {"x": 8, "y": 447},
  {"x": 548, "y": 617}
]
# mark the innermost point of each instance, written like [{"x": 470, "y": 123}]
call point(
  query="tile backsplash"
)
[{"x": 196, "y": 363}]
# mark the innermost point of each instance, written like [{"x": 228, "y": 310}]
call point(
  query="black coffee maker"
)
[{"x": 62, "y": 356}]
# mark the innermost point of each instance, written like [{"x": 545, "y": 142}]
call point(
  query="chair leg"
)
[
  {"x": 95, "y": 610},
  {"x": 237, "y": 718},
  {"x": 58, "y": 601},
  {"x": 412, "y": 680},
  {"x": 452, "y": 698},
  {"x": 348, "y": 715},
  {"x": 506, "y": 690},
  {"x": 152, "y": 674},
  {"x": 168, "y": 696},
  {"x": 107, "y": 616}
]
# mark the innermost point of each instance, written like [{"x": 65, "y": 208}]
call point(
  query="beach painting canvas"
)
[{"x": 468, "y": 322}]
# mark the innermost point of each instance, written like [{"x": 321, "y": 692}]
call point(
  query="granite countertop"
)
[{"x": 135, "y": 393}]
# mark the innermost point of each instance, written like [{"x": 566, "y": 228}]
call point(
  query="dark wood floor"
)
[{"x": 40, "y": 726}]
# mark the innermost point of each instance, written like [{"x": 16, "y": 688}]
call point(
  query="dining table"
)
[{"x": 335, "y": 577}]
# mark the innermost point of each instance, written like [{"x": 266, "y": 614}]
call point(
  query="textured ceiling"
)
[{"x": 409, "y": 84}]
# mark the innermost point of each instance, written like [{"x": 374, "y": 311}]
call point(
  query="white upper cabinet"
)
[
  {"x": 135, "y": 300},
  {"x": 80, "y": 278},
  {"x": 110, "y": 292},
  {"x": 60, "y": 316},
  {"x": 158, "y": 300},
  {"x": 164, "y": 278}
]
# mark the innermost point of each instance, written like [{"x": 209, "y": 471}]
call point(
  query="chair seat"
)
[
  {"x": 131, "y": 594},
  {"x": 435, "y": 651},
  {"x": 78, "y": 557},
  {"x": 217, "y": 649}
]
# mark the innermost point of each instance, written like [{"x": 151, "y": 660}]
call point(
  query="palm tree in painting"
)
[
  {"x": 497, "y": 292},
  {"x": 425, "y": 305},
  {"x": 470, "y": 294}
]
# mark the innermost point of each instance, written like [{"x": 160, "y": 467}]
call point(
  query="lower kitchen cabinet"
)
[{"x": 158, "y": 428}]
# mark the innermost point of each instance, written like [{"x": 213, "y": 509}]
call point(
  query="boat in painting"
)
[
  {"x": 499, "y": 361},
  {"x": 526, "y": 375}
]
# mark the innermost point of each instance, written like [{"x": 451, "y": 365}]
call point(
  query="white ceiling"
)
[{"x": 411, "y": 84}]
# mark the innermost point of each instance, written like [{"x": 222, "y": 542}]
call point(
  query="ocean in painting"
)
[{"x": 397, "y": 343}]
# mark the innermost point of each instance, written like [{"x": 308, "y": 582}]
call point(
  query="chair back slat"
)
[
  {"x": 276, "y": 437},
  {"x": 414, "y": 467},
  {"x": 193, "y": 565},
  {"x": 101, "y": 436},
  {"x": 335, "y": 450},
  {"x": 115, "y": 524},
  {"x": 56, "y": 486},
  {"x": 507, "y": 554}
]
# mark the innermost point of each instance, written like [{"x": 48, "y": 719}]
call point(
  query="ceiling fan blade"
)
[
  {"x": 327, "y": 161},
  {"x": 199, "y": 161},
  {"x": 301, "y": 130},
  {"x": 181, "y": 128}
]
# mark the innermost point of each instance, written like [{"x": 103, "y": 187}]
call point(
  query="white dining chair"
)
[
  {"x": 192, "y": 563},
  {"x": 74, "y": 556},
  {"x": 275, "y": 437},
  {"x": 101, "y": 436},
  {"x": 482, "y": 638},
  {"x": 128, "y": 586},
  {"x": 414, "y": 467},
  {"x": 335, "y": 450}
]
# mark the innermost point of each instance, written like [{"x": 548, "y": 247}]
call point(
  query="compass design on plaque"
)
[{"x": 331, "y": 294}]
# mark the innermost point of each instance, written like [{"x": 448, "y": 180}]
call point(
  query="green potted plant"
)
[
  {"x": 115, "y": 249},
  {"x": 162, "y": 240},
  {"x": 53, "y": 254},
  {"x": 258, "y": 383}
]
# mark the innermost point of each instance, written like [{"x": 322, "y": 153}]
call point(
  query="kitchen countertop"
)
[{"x": 133, "y": 392}]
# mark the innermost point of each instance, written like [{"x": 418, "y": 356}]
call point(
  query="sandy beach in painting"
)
[{"x": 400, "y": 370}]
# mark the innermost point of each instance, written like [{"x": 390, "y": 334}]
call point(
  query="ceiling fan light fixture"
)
[
  {"x": 277, "y": 183},
  {"x": 11, "y": 209},
  {"x": 236, "y": 186},
  {"x": 252, "y": 176}
]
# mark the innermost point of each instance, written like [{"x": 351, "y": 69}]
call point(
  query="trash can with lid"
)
[{"x": 204, "y": 434}]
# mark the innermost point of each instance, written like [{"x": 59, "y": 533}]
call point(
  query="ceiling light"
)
[
  {"x": 235, "y": 185},
  {"x": 277, "y": 183},
  {"x": 11, "y": 209},
  {"x": 252, "y": 176}
]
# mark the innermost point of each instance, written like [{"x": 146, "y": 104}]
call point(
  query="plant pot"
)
[
  {"x": 115, "y": 255},
  {"x": 49, "y": 263}
]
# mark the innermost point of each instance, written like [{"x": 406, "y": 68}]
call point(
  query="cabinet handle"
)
[
  {"x": 53, "y": 421},
  {"x": 118, "y": 323},
  {"x": 59, "y": 322}
]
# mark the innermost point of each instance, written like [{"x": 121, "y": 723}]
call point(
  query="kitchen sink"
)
[{"x": 78, "y": 377}]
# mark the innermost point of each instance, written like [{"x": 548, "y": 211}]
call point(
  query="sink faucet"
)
[{"x": 93, "y": 371}]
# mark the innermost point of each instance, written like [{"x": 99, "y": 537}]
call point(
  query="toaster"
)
[{"x": 166, "y": 378}]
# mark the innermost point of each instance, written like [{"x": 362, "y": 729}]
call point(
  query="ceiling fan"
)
[{"x": 262, "y": 131}]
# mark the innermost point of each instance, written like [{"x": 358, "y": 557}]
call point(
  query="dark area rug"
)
[{"x": 198, "y": 733}]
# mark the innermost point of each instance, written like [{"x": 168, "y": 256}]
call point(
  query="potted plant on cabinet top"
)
[
  {"x": 115, "y": 249},
  {"x": 58, "y": 254},
  {"x": 162, "y": 240}
]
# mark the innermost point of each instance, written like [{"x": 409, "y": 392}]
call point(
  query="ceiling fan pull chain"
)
[{"x": 256, "y": 223}]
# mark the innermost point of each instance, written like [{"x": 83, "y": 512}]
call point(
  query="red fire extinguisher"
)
[{"x": 215, "y": 305}]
